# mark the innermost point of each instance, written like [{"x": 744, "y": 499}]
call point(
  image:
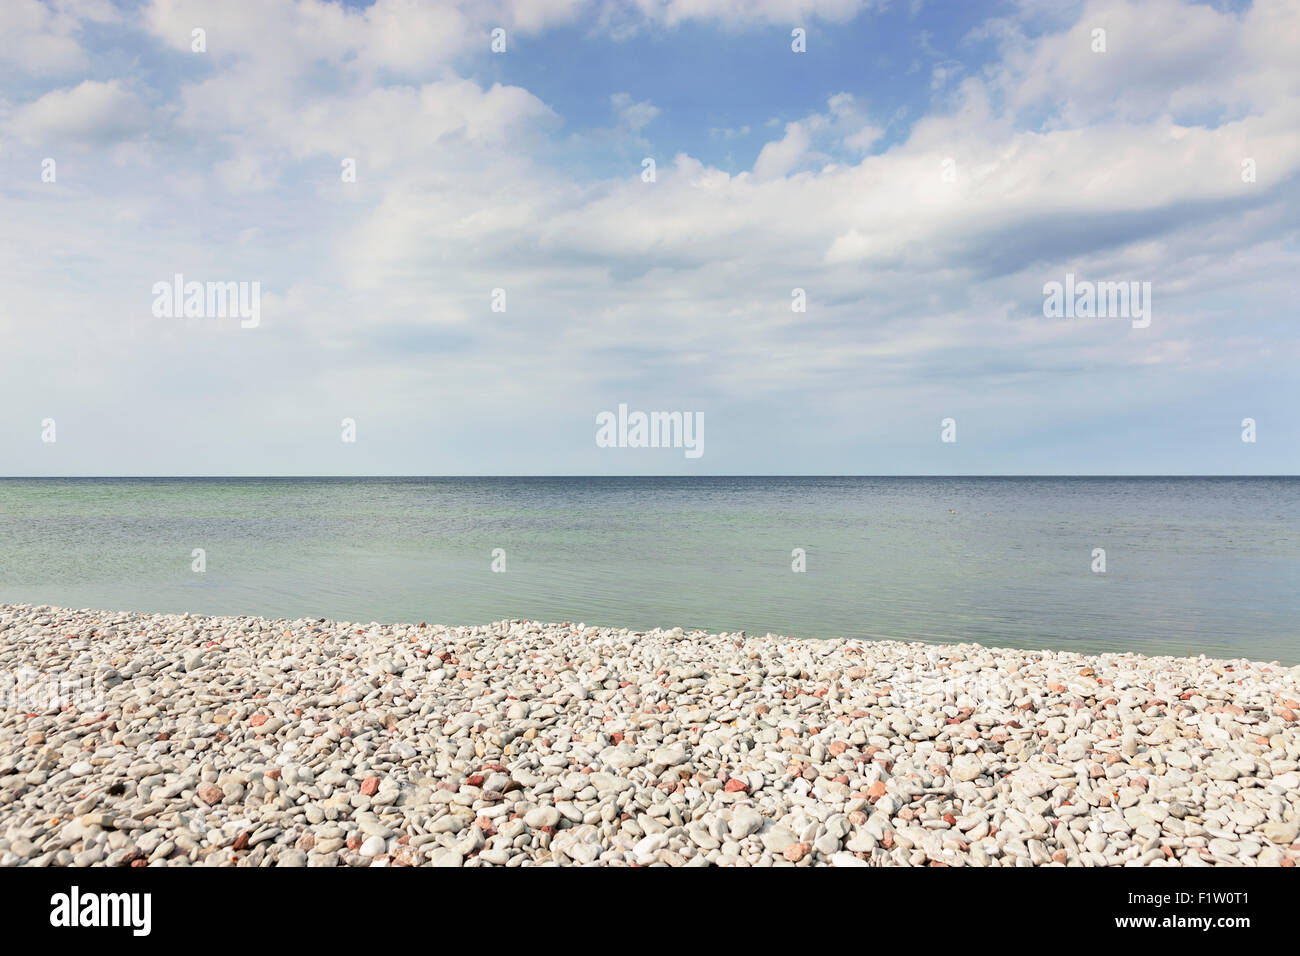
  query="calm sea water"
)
[{"x": 1199, "y": 565}]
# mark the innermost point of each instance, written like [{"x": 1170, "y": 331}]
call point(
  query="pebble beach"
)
[{"x": 131, "y": 739}]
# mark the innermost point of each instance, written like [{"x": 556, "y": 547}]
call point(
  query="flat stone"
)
[
  {"x": 745, "y": 822},
  {"x": 444, "y": 856},
  {"x": 776, "y": 839},
  {"x": 540, "y": 817},
  {"x": 1281, "y": 832}
]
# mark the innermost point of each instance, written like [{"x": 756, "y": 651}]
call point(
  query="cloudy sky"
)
[{"x": 921, "y": 171}]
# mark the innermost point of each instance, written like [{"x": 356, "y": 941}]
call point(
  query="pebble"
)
[
  {"x": 247, "y": 741},
  {"x": 541, "y": 817},
  {"x": 445, "y": 856},
  {"x": 745, "y": 822},
  {"x": 1280, "y": 832}
]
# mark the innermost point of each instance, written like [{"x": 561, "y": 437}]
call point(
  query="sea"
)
[{"x": 1178, "y": 565}]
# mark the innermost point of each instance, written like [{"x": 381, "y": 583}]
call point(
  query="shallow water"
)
[{"x": 1193, "y": 565}]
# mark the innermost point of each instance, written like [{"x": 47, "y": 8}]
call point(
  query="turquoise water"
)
[{"x": 1199, "y": 565}]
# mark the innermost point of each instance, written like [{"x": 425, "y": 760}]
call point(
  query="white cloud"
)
[
  {"x": 633, "y": 116},
  {"x": 91, "y": 112},
  {"x": 243, "y": 172},
  {"x": 41, "y": 39},
  {"x": 782, "y": 156},
  {"x": 1200, "y": 60},
  {"x": 672, "y": 12}
]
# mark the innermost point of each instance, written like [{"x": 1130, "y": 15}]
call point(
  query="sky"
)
[{"x": 461, "y": 258}]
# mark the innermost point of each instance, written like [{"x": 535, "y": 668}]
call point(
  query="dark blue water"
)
[{"x": 1193, "y": 565}]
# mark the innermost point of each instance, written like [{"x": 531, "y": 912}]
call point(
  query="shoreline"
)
[{"x": 177, "y": 739}]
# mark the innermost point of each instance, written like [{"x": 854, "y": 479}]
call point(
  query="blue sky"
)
[
  {"x": 750, "y": 89},
  {"x": 921, "y": 172}
]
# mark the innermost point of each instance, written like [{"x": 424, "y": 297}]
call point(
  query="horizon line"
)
[{"x": 296, "y": 477}]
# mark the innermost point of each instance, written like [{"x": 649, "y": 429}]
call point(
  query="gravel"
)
[{"x": 183, "y": 740}]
